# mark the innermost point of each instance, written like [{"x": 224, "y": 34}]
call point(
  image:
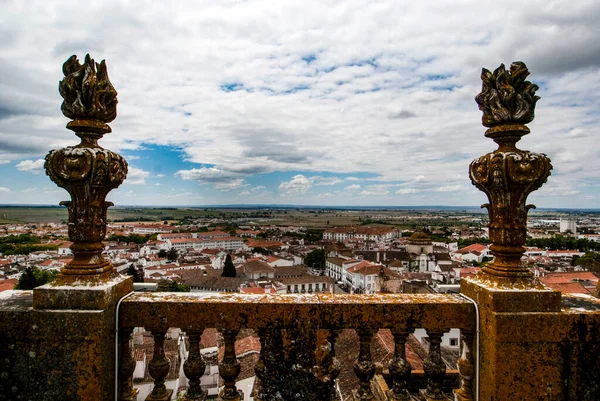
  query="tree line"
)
[
  {"x": 561, "y": 242},
  {"x": 23, "y": 244}
]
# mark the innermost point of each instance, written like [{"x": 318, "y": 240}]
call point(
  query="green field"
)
[
  {"x": 402, "y": 219},
  {"x": 33, "y": 214}
]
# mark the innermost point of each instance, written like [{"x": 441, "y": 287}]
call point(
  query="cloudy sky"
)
[{"x": 301, "y": 102}]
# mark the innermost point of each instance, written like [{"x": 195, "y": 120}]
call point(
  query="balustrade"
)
[{"x": 297, "y": 334}]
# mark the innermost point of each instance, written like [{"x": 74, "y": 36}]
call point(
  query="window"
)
[{"x": 454, "y": 342}]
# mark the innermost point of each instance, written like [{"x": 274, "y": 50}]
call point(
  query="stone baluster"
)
[
  {"x": 399, "y": 367},
  {"x": 329, "y": 367},
  {"x": 466, "y": 368},
  {"x": 229, "y": 368},
  {"x": 126, "y": 366},
  {"x": 434, "y": 367},
  {"x": 194, "y": 367},
  {"x": 159, "y": 368},
  {"x": 364, "y": 368},
  {"x": 269, "y": 366}
]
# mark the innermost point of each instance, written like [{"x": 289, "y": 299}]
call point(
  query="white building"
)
[
  {"x": 229, "y": 243},
  {"x": 143, "y": 229},
  {"x": 568, "y": 225},
  {"x": 342, "y": 234}
]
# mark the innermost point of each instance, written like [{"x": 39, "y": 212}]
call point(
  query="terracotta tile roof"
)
[
  {"x": 257, "y": 266},
  {"x": 210, "y": 338},
  {"x": 253, "y": 243},
  {"x": 570, "y": 288},
  {"x": 471, "y": 248},
  {"x": 336, "y": 261},
  {"x": 211, "y": 251},
  {"x": 290, "y": 271},
  {"x": 567, "y": 277},
  {"x": 8, "y": 284}
]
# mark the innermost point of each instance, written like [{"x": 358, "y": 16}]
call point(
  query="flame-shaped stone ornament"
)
[
  {"x": 87, "y": 171},
  {"x": 508, "y": 174}
]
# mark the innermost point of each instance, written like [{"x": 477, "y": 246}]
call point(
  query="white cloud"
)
[
  {"x": 310, "y": 91},
  {"x": 449, "y": 188},
  {"x": 4, "y": 189},
  {"x": 352, "y": 187},
  {"x": 318, "y": 180},
  {"x": 29, "y": 190},
  {"x": 375, "y": 190},
  {"x": 299, "y": 184},
  {"x": 136, "y": 176},
  {"x": 229, "y": 185},
  {"x": 32, "y": 166},
  {"x": 221, "y": 179},
  {"x": 160, "y": 175},
  {"x": 406, "y": 191}
]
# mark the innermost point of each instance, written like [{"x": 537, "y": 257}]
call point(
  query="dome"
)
[{"x": 420, "y": 238}]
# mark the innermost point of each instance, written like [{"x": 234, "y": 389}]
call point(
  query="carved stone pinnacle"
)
[
  {"x": 508, "y": 174},
  {"x": 87, "y": 171}
]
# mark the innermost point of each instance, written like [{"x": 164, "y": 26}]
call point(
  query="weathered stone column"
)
[
  {"x": 88, "y": 172},
  {"x": 67, "y": 340},
  {"x": 506, "y": 291}
]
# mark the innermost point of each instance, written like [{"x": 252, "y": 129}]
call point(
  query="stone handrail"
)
[{"x": 313, "y": 322}]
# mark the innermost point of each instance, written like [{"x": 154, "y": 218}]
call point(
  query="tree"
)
[
  {"x": 138, "y": 274},
  {"x": 315, "y": 259},
  {"x": 162, "y": 253},
  {"x": 228, "y": 267},
  {"x": 166, "y": 285},
  {"x": 590, "y": 261},
  {"x": 33, "y": 277},
  {"x": 172, "y": 255}
]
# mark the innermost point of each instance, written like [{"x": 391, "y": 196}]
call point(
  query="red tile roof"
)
[{"x": 8, "y": 284}]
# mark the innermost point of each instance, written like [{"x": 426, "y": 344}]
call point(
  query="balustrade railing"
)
[{"x": 297, "y": 334}]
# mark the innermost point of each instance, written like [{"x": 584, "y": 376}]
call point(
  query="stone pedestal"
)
[
  {"x": 58, "y": 343},
  {"x": 520, "y": 345},
  {"x": 82, "y": 295}
]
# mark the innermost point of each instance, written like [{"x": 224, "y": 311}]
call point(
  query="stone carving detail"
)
[
  {"x": 399, "y": 368},
  {"x": 328, "y": 367},
  {"x": 466, "y": 368},
  {"x": 159, "y": 368},
  {"x": 434, "y": 368},
  {"x": 87, "y": 91},
  {"x": 293, "y": 360},
  {"x": 364, "y": 368},
  {"x": 506, "y": 98},
  {"x": 194, "y": 367},
  {"x": 229, "y": 368},
  {"x": 87, "y": 171},
  {"x": 508, "y": 174},
  {"x": 126, "y": 367}
]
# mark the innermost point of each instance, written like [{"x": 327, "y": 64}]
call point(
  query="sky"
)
[{"x": 301, "y": 102}]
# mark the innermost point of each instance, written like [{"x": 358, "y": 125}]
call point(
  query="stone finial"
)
[
  {"x": 508, "y": 174},
  {"x": 87, "y": 91},
  {"x": 87, "y": 171},
  {"x": 506, "y": 98}
]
